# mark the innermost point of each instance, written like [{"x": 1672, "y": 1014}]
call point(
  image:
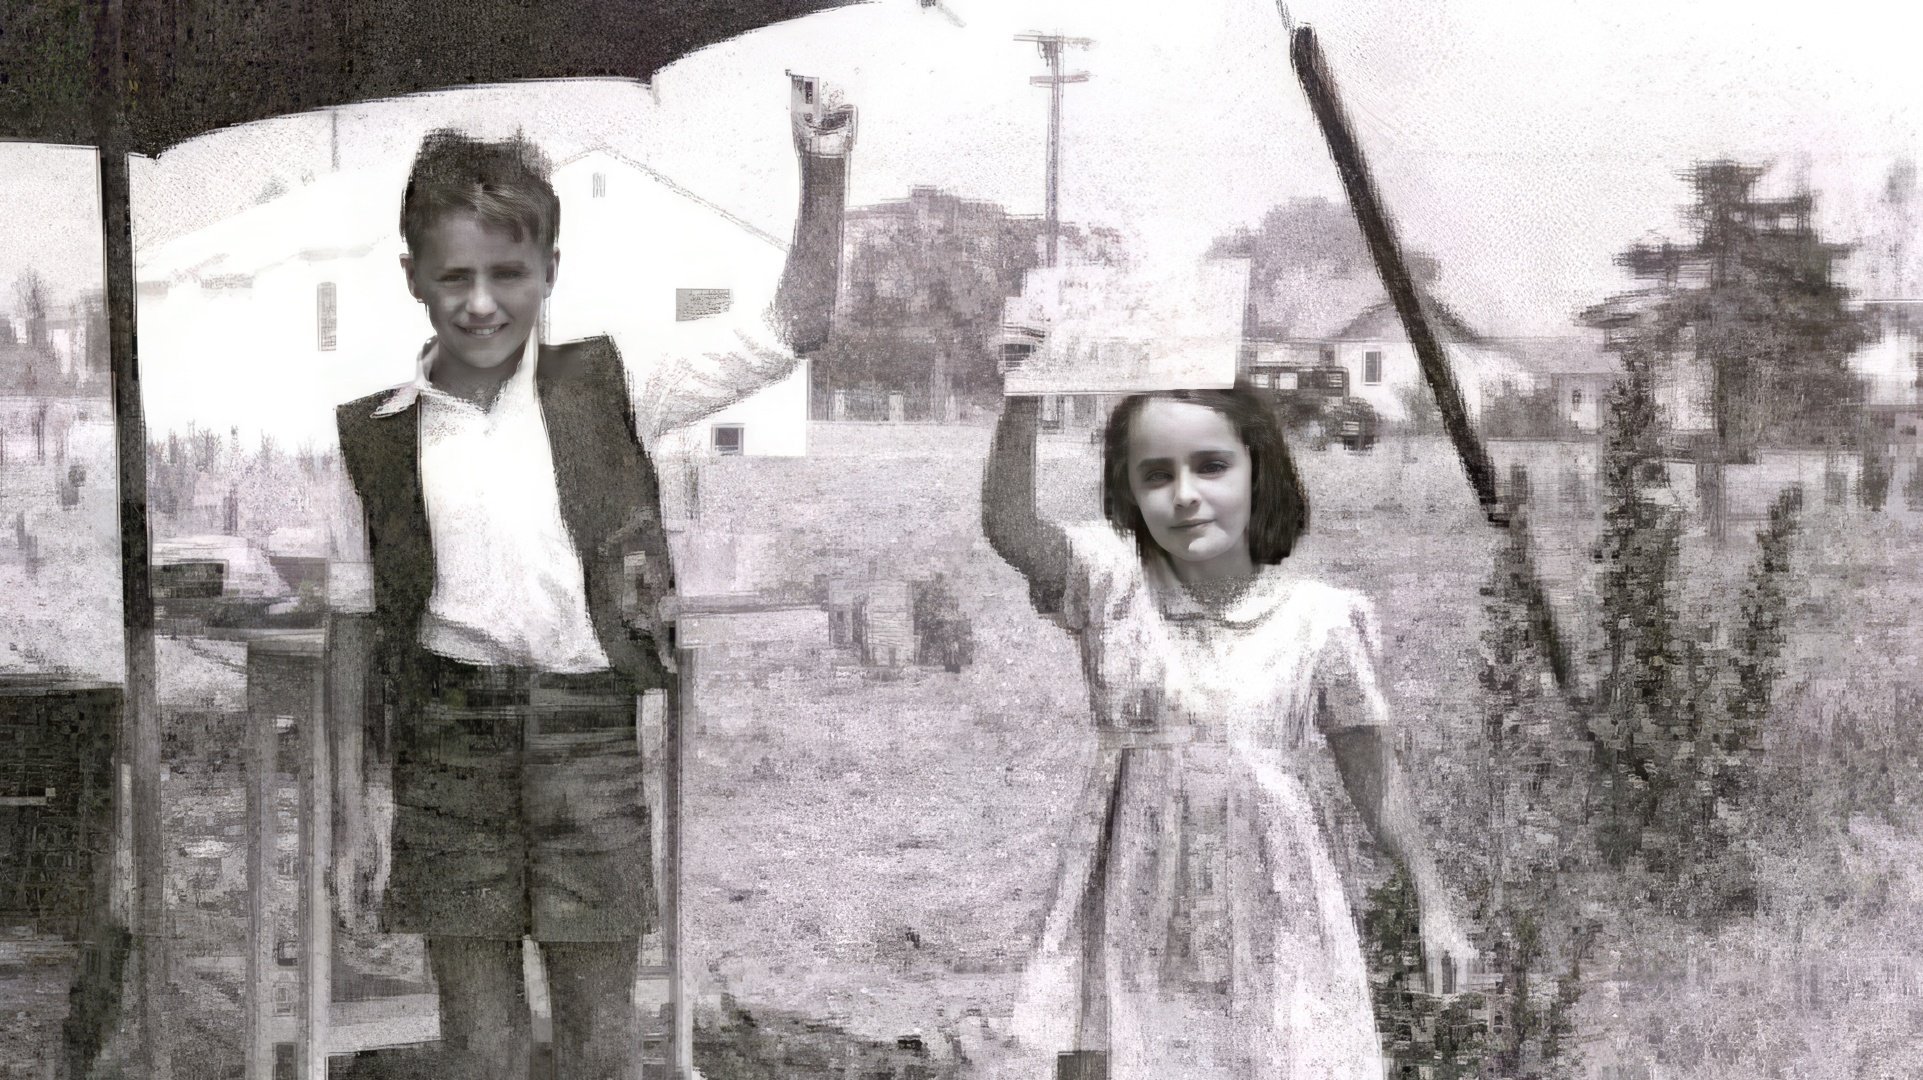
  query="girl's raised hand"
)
[{"x": 831, "y": 136}]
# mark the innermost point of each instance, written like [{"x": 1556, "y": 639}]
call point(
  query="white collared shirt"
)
[
  {"x": 507, "y": 582},
  {"x": 507, "y": 579}
]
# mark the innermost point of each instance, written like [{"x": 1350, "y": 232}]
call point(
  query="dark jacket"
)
[{"x": 608, "y": 495}]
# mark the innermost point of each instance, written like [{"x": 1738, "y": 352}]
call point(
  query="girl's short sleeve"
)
[
  {"x": 1347, "y": 686},
  {"x": 1103, "y": 566}
]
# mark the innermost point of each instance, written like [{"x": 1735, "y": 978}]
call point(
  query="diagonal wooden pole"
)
[{"x": 1386, "y": 249}]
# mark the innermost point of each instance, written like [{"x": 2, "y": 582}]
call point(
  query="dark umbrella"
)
[{"x": 141, "y": 77}]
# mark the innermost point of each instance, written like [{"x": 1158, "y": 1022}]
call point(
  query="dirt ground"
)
[{"x": 873, "y": 852}]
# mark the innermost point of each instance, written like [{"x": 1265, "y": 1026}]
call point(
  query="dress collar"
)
[{"x": 1265, "y": 592}]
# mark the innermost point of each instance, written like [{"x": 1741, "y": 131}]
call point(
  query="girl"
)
[{"x": 1199, "y": 927}]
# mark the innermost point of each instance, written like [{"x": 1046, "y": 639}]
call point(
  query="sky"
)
[{"x": 1522, "y": 143}]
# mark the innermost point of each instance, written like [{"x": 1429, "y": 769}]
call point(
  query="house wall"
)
[
  {"x": 1587, "y": 413},
  {"x": 624, "y": 256},
  {"x": 1478, "y": 372},
  {"x": 1889, "y": 366},
  {"x": 249, "y": 357}
]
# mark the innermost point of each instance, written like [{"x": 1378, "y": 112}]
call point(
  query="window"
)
[
  {"x": 288, "y": 864},
  {"x": 600, "y": 185},
  {"x": 284, "y": 999},
  {"x": 691, "y": 304},
  {"x": 729, "y": 439},
  {"x": 287, "y": 952},
  {"x": 324, "y": 307},
  {"x": 1328, "y": 354},
  {"x": 1575, "y": 398},
  {"x": 286, "y": 1063},
  {"x": 1372, "y": 367}
]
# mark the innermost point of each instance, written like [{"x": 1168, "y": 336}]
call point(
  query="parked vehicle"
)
[{"x": 1315, "y": 400}]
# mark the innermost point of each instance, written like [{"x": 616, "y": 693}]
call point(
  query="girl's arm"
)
[
  {"x": 1377, "y": 784},
  {"x": 1035, "y": 547}
]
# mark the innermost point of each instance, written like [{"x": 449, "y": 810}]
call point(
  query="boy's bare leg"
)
[
  {"x": 484, "y": 1009},
  {"x": 591, "y": 990}
]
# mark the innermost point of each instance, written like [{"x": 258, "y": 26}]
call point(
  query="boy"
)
[{"x": 502, "y": 491}]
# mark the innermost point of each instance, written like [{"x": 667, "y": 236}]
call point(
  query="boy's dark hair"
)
[
  {"x": 1279, "y": 508},
  {"x": 504, "y": 182}
]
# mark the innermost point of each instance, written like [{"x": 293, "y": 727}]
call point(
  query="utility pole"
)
[
  {"x": 1051, "y": 46},
  {"x": 334, "y": 139}
]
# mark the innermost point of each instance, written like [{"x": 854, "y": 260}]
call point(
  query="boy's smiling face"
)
[{"x": 482, "y": 287}]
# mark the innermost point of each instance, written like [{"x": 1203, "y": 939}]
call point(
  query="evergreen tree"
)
[{"x": 1753, "y": 298}]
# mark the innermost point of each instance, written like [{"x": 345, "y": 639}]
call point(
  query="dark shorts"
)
[{"x": 518, "y": 809}]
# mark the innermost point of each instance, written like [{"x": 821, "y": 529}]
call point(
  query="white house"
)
[
  {"x": 1383, "y": 370},
  {"x": 1891, "y": 368},
  {"x": 639, "y": 251},
  {"x": 1576, "y": 370},
  {"x": 265, "y": 320}
]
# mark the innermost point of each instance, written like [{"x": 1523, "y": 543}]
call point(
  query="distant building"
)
[
  {"x": 639, "y": 250},
  {"x": 1891, "y": 368},
  {"x": 1577, "y": 373},
  {"x": 266, "y": 319},
  {"x": 1356, "y": 328}
]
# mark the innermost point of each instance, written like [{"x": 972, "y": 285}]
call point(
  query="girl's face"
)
[
  {"x": 482, "y": 287},
  {"x": 1192, "y": 479}
]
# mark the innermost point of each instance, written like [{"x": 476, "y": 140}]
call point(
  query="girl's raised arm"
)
[{"x": 1035, "y": 547}]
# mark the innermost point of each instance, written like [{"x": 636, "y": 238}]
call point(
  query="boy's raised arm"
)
[{"x": 711, "y": 364}]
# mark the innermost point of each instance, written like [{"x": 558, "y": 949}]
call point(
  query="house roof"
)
[
  {"x": 604, "y": 150},
  {"x": 338, "y": 214},
  {"x": 1305, "y": 306},
  {"x": 1571, "y": 355},
  {"x": 1379, "y": 322}
]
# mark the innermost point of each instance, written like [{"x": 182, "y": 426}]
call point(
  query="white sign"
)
[{"x": 1098, "y": 329}]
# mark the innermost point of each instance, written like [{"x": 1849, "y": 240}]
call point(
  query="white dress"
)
[{"x": 1210, "y": 935}]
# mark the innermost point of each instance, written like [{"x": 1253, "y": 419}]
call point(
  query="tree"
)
[
  {"x": 1752, "y": 297},
  {"x": 30, "y": 298},
  {"x": 1512, "y": 412},
  {"x": 1309, "y": 248},
  {"x": 96, "y": 346},
  {"x": 1679, "y": 721},
  {"x": 1420, "y": 405},
  {"x": 923, "y": 295}
]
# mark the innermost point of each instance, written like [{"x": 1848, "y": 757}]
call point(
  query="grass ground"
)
[
  {"x": 873, "y": 852},
  {"x": 877, "y": 851}
]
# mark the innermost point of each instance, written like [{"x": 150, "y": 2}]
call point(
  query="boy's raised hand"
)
[{"x": 831, "y": 136}]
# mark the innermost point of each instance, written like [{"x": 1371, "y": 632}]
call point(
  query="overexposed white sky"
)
[{"x": 1523, "y": 143}]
